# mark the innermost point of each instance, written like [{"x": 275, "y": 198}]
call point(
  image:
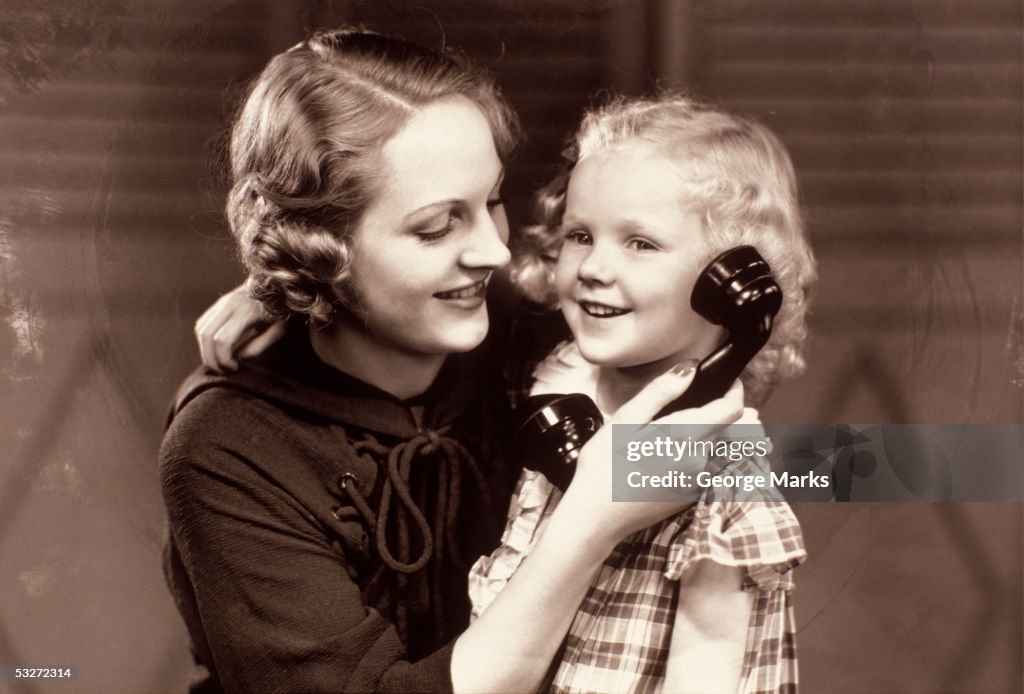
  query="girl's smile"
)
[{"x": 596, "y": 309}]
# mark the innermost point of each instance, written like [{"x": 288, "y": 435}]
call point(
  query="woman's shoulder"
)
[
  {"x": 229, "y": 451},
  {"x": 209, "y": 411},
  {"x": 215, "y": 437},
  {"x": 218, "y": 424}
]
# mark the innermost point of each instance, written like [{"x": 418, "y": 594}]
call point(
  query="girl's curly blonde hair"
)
[{"x": 735, "y": 174}]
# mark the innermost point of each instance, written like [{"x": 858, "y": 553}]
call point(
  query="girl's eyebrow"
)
[
  {"x": 630, "y": 226},
  {"x": 568, "y": 222},
  {"x": 572, "y": 219}
]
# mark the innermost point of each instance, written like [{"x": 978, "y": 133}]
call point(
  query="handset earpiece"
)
[{"x": 735, "y": 290}]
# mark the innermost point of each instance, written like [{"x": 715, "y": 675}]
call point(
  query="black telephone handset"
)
[{"x": 737, "y": 291}]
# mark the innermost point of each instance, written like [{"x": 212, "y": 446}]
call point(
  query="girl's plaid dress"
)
[{"x": 619, "y": 639}]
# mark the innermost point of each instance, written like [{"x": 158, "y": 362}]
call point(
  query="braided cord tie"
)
[{"x": 438, "y": 538}]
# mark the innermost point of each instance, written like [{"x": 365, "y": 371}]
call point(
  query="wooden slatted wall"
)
[{"x": 904, "y": 121}]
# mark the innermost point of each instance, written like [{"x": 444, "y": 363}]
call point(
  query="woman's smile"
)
[{"x": 468, "y": 296}]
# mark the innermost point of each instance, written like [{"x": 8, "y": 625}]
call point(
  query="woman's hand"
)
[
  {"x": 590, "y": 493},
  {"x": 235, "y": 327}
]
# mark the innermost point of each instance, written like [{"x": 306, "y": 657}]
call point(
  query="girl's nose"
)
[{"x": 596, "y": 267}]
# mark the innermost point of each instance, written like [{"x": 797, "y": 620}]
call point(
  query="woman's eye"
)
[
  {"x": 494, "y": 203},
  {"x": 578, "y": 236},
  {"x": 640, "y": 245},
  {"x": 437, "y": 235}
]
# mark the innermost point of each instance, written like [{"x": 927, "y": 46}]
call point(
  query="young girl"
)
[{"x": 653, "y": 189}]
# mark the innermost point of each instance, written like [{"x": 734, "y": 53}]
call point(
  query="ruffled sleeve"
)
[
  {"x": 535, "y": 498},
  {"x": 533, "y": 502},
  {"x": 753, "y": 528},
  {"x": 762, "y": 537}
]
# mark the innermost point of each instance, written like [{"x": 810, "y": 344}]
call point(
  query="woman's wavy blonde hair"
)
[
  {"x": 305, "y": 155},
  {"x": 735, "y": 174}
]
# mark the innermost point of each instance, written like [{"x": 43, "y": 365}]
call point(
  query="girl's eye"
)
[
  {"x": 428, "y": 236},
  {"x": 578, "y": 236},
  {"x": 640, "y": 245},
  {"x": 494, "y": 203}
]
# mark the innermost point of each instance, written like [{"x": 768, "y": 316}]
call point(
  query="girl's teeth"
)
[{"x": 600, "y": 311}]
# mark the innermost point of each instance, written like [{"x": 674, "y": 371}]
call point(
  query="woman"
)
[{"x": 323, "y": 498}]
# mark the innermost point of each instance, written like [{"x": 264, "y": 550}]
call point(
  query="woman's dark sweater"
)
[{"x": 321, "y": 529}]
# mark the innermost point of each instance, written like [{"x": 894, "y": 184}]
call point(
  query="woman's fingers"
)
[
  {"x": 245, "y": 320},
  {"x": 206, "y": 328},
  {"x": 655, "y": 395},
  {"x": 225, "y": 326},
  {"x": 259, "y": 344},
  {"x": 223, "y": 343},
  {"x": 703, "y": 421},
  {"x": 713, "y": 416}
]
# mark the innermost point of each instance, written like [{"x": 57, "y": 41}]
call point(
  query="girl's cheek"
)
[
  {"x": 563, "y": 271},
  {"x": 563, "y": 287}
]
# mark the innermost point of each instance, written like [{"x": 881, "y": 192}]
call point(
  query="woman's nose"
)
[{"x": 487, "y": 246}]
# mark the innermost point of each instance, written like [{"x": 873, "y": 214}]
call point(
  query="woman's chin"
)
[{"x": 465, "y": 337}]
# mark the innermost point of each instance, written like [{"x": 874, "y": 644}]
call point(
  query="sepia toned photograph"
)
[{"x": 512, "y": 345}]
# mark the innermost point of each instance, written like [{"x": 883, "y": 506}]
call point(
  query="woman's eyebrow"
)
[
  {"x": 450, "y": 201},
  {"x": 429, "y": 206}
]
